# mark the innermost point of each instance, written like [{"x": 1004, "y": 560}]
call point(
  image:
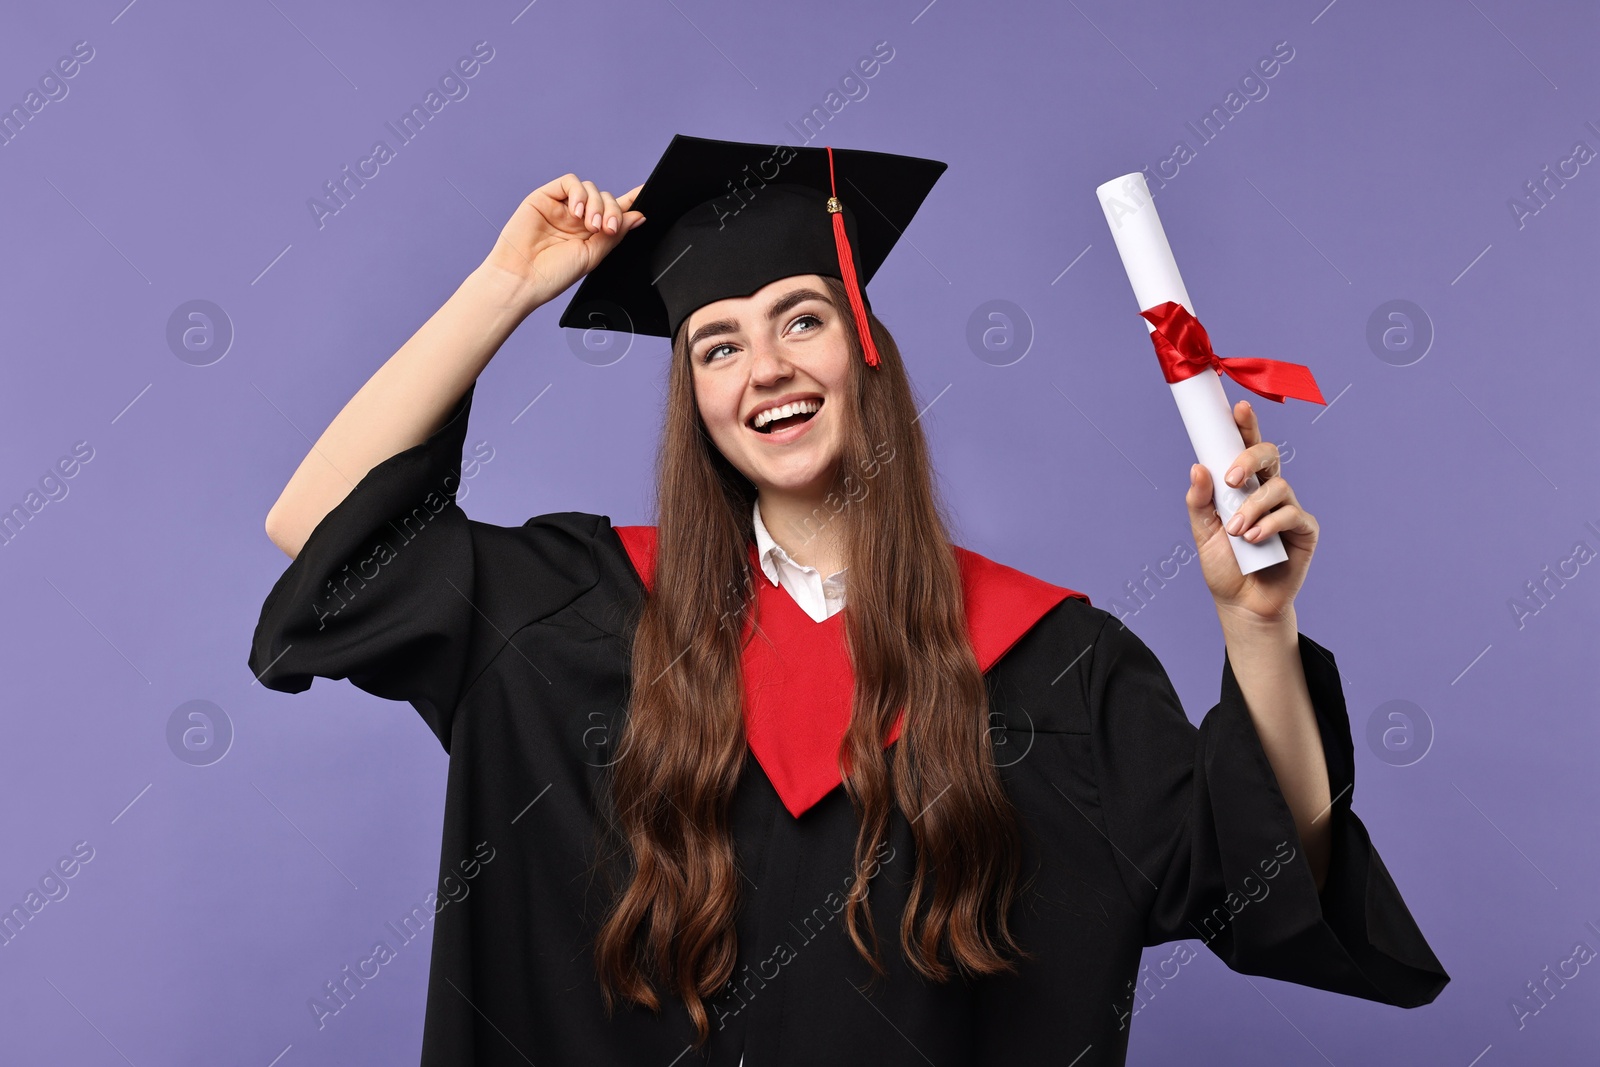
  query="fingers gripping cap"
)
[{"x": 725, "y": 218}]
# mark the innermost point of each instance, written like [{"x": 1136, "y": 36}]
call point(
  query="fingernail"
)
[
  {"x": 577, "y": 208},
  {"x": 636, "y": 222},
  {"x": 1253, "y": 534},
  {"x": 1235, "y": 476},
  {"x": 1234, "y": 524},
  {"x": 611, "y": 225},
  {"x": 594, "y": 220}
]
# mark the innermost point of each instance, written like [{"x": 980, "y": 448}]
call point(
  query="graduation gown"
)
[{"x": 1139, "y": 827}]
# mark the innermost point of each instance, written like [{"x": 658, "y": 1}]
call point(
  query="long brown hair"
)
[{"x": 683, "y": 746}]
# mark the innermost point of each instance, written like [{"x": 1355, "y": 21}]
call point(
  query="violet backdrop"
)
[{"x": 1384, "y": 160}]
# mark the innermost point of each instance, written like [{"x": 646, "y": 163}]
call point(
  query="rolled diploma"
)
[{"x": 1131, "y": 213}]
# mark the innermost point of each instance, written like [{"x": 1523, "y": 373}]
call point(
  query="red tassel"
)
[{"x": 847, "y": 269}]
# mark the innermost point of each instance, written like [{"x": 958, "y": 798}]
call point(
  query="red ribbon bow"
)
[{"x": 1184, "y": 349}]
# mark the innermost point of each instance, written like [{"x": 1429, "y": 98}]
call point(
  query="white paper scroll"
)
[{"x": 1207, "y": 415}]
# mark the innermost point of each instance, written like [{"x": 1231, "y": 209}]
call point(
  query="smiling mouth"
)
[{"x": 788, "y": 421}]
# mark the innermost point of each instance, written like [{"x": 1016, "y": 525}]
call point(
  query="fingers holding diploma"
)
[{"x": 1265, "y": 595}]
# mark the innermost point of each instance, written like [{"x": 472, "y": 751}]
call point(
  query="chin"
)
[
  {"x": 809, "y": 480},
  {"x": 804, "y": 468},
  {"x": 798, "y": 487}
]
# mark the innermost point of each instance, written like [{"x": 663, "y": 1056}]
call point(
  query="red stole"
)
[{"x": 797, "y": 676}]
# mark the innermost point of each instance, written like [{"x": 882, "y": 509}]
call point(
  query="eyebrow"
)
[{"x": 778, "y": 307}]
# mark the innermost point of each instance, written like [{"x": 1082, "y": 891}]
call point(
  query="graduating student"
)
[{"x": 787, "y": 776}]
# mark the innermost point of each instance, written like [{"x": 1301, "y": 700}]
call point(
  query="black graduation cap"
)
[{"x": 724, "y": 218}]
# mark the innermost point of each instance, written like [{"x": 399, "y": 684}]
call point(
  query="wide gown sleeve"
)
[
  {"x": 1207, "y": 847},
  {"x": 398, "y": 591}
]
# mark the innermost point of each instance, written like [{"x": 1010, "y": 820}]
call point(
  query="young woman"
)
[{"x": 787, "y": 776}]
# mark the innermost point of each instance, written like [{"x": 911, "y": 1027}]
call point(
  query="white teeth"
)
[{"x": 773, "y": 414}]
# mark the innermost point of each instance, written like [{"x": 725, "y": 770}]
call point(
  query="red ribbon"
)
[{"x": 1184, "y": 349}]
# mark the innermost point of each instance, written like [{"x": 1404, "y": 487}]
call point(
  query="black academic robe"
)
[{"x": 1140, "y": 828}]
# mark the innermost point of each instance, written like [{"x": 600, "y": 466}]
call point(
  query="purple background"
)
[{"x": 1379, "y": 167}]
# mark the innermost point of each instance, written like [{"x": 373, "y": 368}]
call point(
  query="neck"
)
[{"x": 810, "y": 530}]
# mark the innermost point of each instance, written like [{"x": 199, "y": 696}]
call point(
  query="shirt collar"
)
[{"x": 772, "y": 554}]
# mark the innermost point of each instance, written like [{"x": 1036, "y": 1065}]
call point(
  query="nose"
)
[{"x": 768, "y": 364}]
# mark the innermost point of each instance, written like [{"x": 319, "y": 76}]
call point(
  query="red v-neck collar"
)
[{"x": 797, "y": 676}]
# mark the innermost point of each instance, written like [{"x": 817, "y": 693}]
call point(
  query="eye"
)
[{"x": 806, "y": 323}]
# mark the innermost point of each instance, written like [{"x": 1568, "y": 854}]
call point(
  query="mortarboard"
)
[{"x": 724, "y": 218}]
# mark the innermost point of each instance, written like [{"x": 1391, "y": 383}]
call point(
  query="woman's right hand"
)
[{"x": 561, "y": 232}]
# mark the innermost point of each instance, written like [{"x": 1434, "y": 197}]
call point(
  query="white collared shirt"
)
[{"x": 817, "y": 596}]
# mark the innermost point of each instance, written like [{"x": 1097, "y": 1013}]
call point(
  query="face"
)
[{"x": 784, "y": 344}]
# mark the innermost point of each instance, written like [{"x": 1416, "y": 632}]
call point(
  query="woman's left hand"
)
[{"x": 1267, "y": 595}]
